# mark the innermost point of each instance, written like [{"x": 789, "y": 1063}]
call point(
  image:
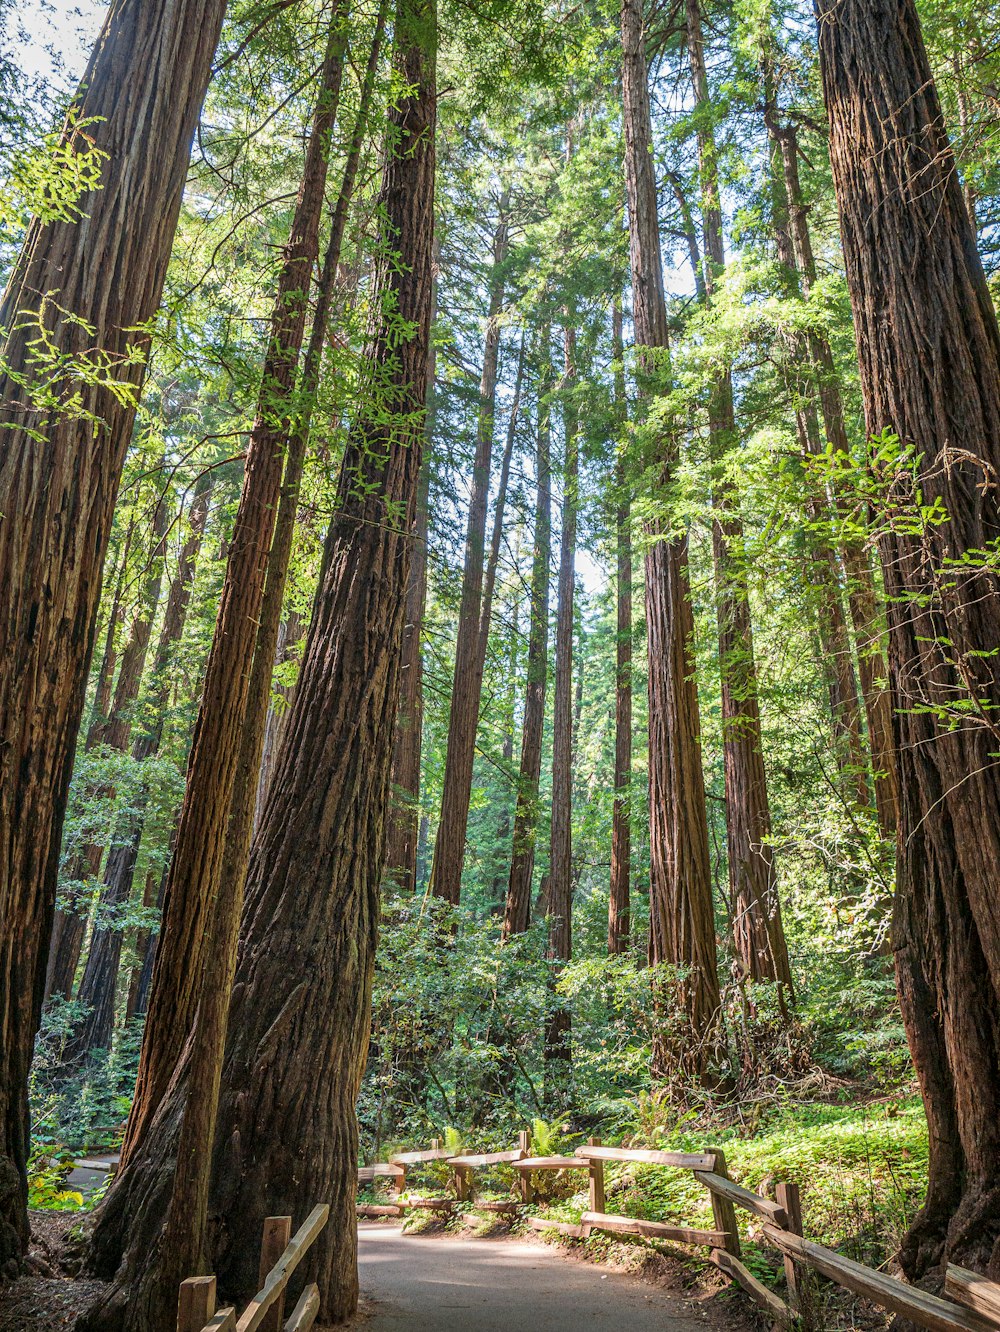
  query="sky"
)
[{"x": 53, "y": 38}]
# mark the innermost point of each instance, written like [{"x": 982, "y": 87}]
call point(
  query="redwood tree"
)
[
  {"x": 559, "y": 905},
  {"x": 196, "y": 866},
  {"x": 929, "y": 351},
  {"x": 89, "y": 281},
  {"x": 682, "y": 927},
  {"x": 449, "y": 848},
  {"x": 757, "y": 929},
  {"x": 517, "y": 912},
  {"x": 619, "y": 907},
  {"x": 312, "y": 899}
]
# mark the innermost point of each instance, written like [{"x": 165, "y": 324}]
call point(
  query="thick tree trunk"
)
[
  {"x": 311, "y": 906},
  {"x": 756, "y": 914},
  {"x": 100, "y": 974},
  {"x": 517, "y": 914},
  {"x": 682, "y": 927},
  {"x": 59, "y": 477},
  {"x": 195, "y": 870},
  {"x": 560, "y": 897},
  {"x": 449, "y": 848},
  {"x": 929, "y": 352},
  {"x": 619, "y": 906}
]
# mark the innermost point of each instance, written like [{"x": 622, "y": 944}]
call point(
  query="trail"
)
[{"x": 444, "y": 1284}]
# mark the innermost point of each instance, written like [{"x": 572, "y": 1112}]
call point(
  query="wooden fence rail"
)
[
  {"x": 280, "y": 1254},
  {"x": 971, "y": 1303}
]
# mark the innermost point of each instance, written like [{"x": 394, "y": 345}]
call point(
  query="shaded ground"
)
[
  {"x": 444, "y": 1284},
  {"x": 47, "y": 1299}
]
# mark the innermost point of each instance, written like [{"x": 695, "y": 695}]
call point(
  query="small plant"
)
[
  {"x": 551, "y": 1139},
  {"x": 46, "y": 1176}
]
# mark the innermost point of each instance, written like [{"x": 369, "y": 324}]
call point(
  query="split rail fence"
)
[
  {"x": 280, "y": 1254},
  {"x": 970, "y": 1304}
]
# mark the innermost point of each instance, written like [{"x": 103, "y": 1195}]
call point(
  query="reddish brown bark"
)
[
  {"x": 559, "y": 906},
  {"x": 311, "y": 904},
  {"x": 463, "y": 721},
  {"x": 863, "y": 600},
  {"x": 756, "y": 914},
  {"x": 619, "y": 906},
  {"x": 201, "y": 834},
  {"x": 682, "y": 929},
  {"x": 517, "y": 914},
  {"x": 929, "y": 352},
  {"x": 59, "y": 477}
]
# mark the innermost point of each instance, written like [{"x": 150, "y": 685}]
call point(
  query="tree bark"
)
[
  {"x": 682, "y": 927},
  {"x": 311, "y": 907},
  {"x": 619, "y": 905},
  {"x": 863, "y": 600},
  {"x": 560, "y": 898},
  {"x": 404, "y": 815},
  {"x": 756, "y": 913},
  {"x": 517, "y": 914},
  {"x": 449, "y": 848},
  {"x": 100, "y": 280},
  {"x": 196, "y": 868},
  {"x": 929, "y": 352}
]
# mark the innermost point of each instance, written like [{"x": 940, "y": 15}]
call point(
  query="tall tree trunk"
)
[
  {"x": 311, "y": 905},
  {"x": 682, "y": 925},
  {"x": 404, "y": 815},
  {"x": 59, "y": 476},
  {"x": 560, "y": 898},
  {"x": 619, "y": 905},
  {"x": 756, "y": 914},
  {"x": 929, "y": 351},
  {"x": 124, "y": 854},
  {"x": 449, "y": 848},
  {"x": 195, "y": 870},
  {"x": 863, "y": 600},
  {"x": 517, "y": 914},
  {"x": 69, "y": 925},
  {"x": 835, "y": 656},
  {"x": 100, "y": 975},
  {"x": 137, "y": 996}
]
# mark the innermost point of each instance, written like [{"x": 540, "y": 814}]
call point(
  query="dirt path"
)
[{"x": 444, "y": 1284}]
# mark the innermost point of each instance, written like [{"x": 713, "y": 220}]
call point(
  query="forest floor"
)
[
  {"x": 443, "y": 1283},
  {"x": 50, "y": 1297}
]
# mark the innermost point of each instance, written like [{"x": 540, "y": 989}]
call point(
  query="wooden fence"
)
[
  {"x": 280, "y": 1254},
  {"x": 971, "y": 1303}
]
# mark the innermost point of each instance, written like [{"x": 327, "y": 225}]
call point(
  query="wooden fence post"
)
[
  {"x": 598, "y": 1202},
  {"x": 277, "y": 1233},
  {"x": 524, "y": 1142},
  {"x": 723, "y": 1210},
  {"x": 461, "y": 1176},
  {"x": 789, "y": 1197},
  {"x": 195, "y": 1303}
]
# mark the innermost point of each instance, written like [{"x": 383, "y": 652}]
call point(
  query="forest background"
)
[{"x": 522, "y": 804}]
